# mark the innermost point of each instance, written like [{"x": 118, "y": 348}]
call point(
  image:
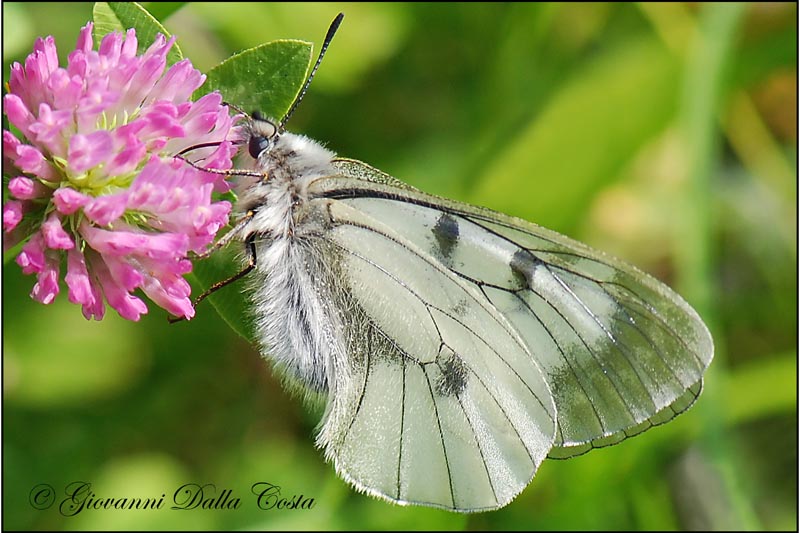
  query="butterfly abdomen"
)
[{"x": 294, "y": 323}]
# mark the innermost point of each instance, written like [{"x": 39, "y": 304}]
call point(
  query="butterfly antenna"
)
[
  {"x": 215, "y": 143},
  {"x": 328, "y": 38}
]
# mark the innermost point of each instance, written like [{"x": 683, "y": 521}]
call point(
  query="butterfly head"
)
[{"x": 263, "y": 134}]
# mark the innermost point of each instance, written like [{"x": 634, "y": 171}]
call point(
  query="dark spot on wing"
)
[
  {"x": 460, "y": 308},
  {"x": 523, "y": 265},
  {"x": 446, "y": 233},
  {"x": 453, "y": 379}
]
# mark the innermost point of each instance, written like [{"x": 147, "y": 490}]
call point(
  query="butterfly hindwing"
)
[{"x": 442, "y": 404}]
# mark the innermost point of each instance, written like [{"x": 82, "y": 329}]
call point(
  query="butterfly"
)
[{"x": 457, "y": 347}]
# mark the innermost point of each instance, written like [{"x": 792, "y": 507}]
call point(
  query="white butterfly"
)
[{"x": 458, "y": 347}]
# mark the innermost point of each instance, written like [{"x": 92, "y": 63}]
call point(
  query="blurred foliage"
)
[{"x": 665, "y": 134}]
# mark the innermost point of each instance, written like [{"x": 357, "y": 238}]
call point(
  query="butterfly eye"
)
[{"x": 257, "y": 145}]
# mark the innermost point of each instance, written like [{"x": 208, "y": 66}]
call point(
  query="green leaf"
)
[
  {"x": 230, "y": 301},
  {"x": 162, "y": 10},
  {"x": 121, "y": 16},
  {"x": 266, "y": 78},
  {"x": 105, "y": 20}
]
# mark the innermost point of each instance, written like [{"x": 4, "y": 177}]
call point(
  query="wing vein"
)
[
  {"x": 626, "y": 356},
  {"x": 444, "y": 312},
  {"x": 638, "y": 299},
  {"x": 631, "y": 321},
  {"x": 441, "y": 435},
  {"x": 402, "y": 426},
  {"x": 360, "y": 400},
  {"x": 569, "y": 363},
  {"x": 477, "y": 441},
  {"x": 603, "y": 370},
  {"x": 472, "y": 218},
  {"x": 502, "y": 409}
]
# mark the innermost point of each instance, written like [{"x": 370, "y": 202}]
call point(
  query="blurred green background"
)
[{"x": 665, "y": 134}]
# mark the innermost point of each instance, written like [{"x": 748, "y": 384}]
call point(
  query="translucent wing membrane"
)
[
  {"x": 620, "y": 351},
  {"x": 662, "y": 417},
  {"x": 444, "y": 405}
]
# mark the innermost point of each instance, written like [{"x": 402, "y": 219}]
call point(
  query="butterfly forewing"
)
[
  {"x": 444, "y": 405},
  {"x": 620, "y": 351}
]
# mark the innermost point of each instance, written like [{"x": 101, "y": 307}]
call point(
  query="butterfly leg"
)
[
  {"x": 228, "y": 237},
  {"x": 251, "y": 264}
]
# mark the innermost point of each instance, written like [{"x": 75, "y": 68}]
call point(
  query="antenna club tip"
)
[
  {"x": 331, "y": 32},
  {"x": 334, "y": 26}
]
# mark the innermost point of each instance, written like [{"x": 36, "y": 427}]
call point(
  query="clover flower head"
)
[{"x": 95, "y": 185}]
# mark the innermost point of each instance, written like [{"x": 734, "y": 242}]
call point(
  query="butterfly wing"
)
[
  {"x": 438, "y": 401},
  {"x": 620, "y": 351}
]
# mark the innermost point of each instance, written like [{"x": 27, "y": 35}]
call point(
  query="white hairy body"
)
[{"x": 293, "y": 319}]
